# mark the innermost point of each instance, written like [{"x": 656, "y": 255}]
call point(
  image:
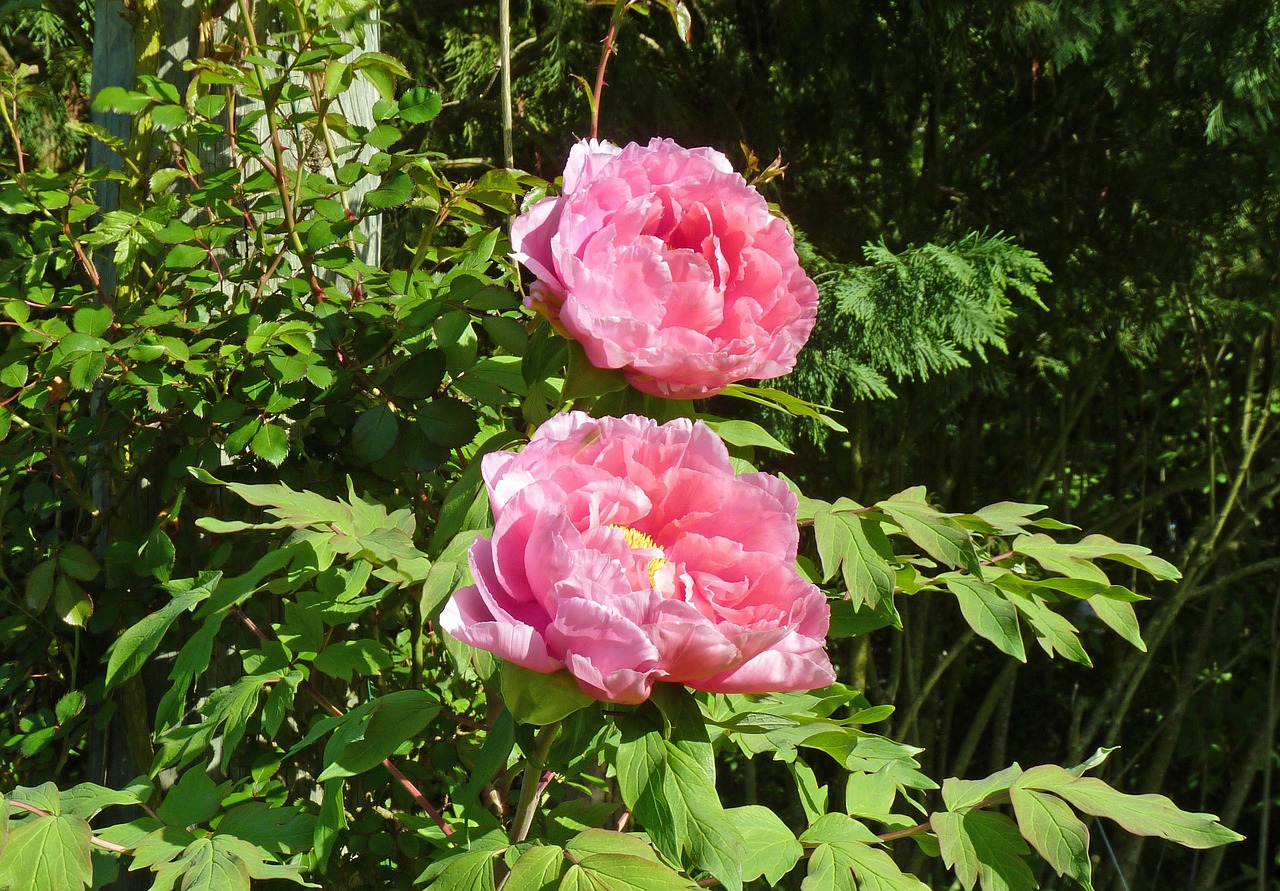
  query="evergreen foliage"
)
[{"x": 910, "y": 315}]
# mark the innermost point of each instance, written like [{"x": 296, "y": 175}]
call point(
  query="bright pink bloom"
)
[
  {"x": 630, "y": 553},
  {"x": 663, "y": 262}
]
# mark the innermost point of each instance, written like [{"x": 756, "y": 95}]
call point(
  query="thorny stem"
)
[
  {"x": 533, "y": 783},
  {"x": 619, "y": 9},
  {"x": 93, "y": 839},
  {"x": 324, "y": 703}
]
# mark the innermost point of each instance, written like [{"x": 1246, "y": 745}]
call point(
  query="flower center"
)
[{"x": 637, "y": 540}]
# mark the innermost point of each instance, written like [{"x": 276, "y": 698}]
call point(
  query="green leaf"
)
[
  {"x": 87, "y": 799},
  {"x": 1150, "y": 814},
  {"x": 186, "y": 256},
  {"x": 583, "y": 380},
  {"x": 193, "y": 799},
  {"x": 39, "y": 585},
  {"x": 271, "y": 444},
  {"x": 1119, "y": 617},
  {"x": 388, "y": 722},
  {"x": 120, "y": 100},
  {"x": 875, "y": 869},
  {"x": 669, "y": 784},
  {"x": 48, "y": 854},
  {"x": 448, "y": 422},
  {"x": 419, "y": 105},
  {"x": 537, "y": 698},
  {"x": 785, "y": 402},
  {"x": 69, "y": 706},
  {"x": 985, "y": 846},
  {"x": 538, "y": 869},
  {"x": 72, "y": 604},
  {"x": 773, "y": 849},
  {"x": 362, "y": 657},
  {"x": 960, "y": 795},
  {"x": 87, "y": 369},
  {"x": 861, "y": 549},
  {"x": 745, "y": 433},
  {"x": 472, "y": 871},
  {"x": 988, "y": 613},
  {"x": 1009, "y": 517},
  {"x": 395, "y": 191},
  {"x": 940, "y": 535},
  {"x": 374, "y": 433},
  {"x": 825, "y": 873},
  {"x": 139, "y": 641},
  {"x": 419, "y": 376},
  {"x": 92, "y": 320},
  {"x": 1055, "y": 832},
  {"x": 623, "y": 872},
  {"x": 1054, "y": 633}
]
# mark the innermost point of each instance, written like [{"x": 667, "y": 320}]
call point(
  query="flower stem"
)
[
  {"x": 532, "y": 784},
  {"x": 619, "y": 9}
]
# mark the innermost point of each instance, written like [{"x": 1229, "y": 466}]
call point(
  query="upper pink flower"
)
[
  {"x": 663, "y": 262},
  {"x": 629, "y": 553}
]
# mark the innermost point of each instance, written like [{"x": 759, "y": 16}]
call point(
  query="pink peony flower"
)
[
  {"x": 629, "y": 553},
  {"x": 663, "y": 262}
]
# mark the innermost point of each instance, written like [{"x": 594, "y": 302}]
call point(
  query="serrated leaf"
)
[
  {"x": 988, "y": 613},
  {"x": 71, "y": 602},
  {"x": 271, "y": 444},
  {"x": 419, "y": 105},
  {"x": 773, "y": 850},
  {"x": 374, "y": 433},
  {"x": 940, "y": 535},
  {"x": 1055, "y": 832},
  {"x": 38, "y": 588}
]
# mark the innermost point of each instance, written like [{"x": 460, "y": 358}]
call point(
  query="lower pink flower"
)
[{"x": 630, "y": 553}]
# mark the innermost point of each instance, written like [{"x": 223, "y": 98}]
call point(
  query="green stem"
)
[{"x": 530, "y": 784}]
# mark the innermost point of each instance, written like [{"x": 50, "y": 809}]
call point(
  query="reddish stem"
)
[{"x": 605, "y": 53}]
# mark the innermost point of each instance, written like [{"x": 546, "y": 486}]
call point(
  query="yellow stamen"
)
[{"x": 637, "y": 539}]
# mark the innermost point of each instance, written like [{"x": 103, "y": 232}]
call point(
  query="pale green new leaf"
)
[
  {"x": 1055, "y": 832},
  {"x": 773, "y": 849},
  {"x": 744, "y": 433},
  {"x": 988, "y": 613}
]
